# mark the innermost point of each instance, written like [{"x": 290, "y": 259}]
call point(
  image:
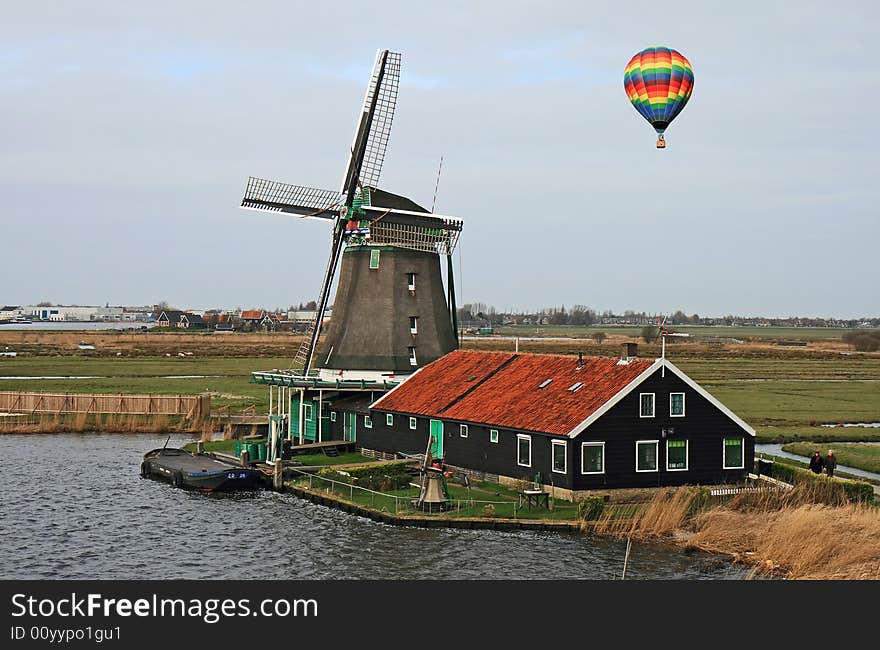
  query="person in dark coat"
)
[
  {"x": 816, "y": 462},
  {"x": 830, "y": 463}
]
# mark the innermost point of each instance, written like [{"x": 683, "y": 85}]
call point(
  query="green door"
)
[
  {"x": 349, "y": 427},
  {"x": 437, "y": 438}
]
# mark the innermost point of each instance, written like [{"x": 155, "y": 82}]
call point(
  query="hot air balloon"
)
[{"x": 659, "y": 82}]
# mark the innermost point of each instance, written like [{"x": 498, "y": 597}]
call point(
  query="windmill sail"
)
[
  {"x": 374, "y": 128},
  {"x": 274, "y": 196}
]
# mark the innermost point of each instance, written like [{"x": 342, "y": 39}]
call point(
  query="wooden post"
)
[
  {"x": 200, "y": 447},
  {"x": 626, "y": 557},
  {"x": 245, "y": 458},
  {"x": 320, "y": 413},
  {"x": 278, "y": 476},
  {"x": 302, "y": 396}
]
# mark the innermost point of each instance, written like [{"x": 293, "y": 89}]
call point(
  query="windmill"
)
[{"x": 390, "y": 313}]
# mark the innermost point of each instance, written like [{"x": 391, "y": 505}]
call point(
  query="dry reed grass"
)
[
  {"x": 808, "y": 532},
  {"x": 90, "y": 422}
]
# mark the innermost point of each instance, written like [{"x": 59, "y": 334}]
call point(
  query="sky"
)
[{"x": 129, "y": 131}]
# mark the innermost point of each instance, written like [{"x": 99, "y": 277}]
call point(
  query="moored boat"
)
[{"x": 203, "y": 472}]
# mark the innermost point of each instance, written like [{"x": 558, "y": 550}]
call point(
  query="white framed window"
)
[
  {"x": 374, "y": 258},
  {"x": 493, "y": 435},
  {"x": 368, "y": 422},
  {"x": 413, "y": 324},
  {"x": 333, "y": 416},
  {"x": 646, "y": 455},
  {"x": 676, "y": 455},
  {"x": 413, "y": 361},
  {"x": 646, "y": 405},
  {"x": 411, "y": 281},
  {"x": 676, "y": 405},
  {"x": 307, "y": 412},
  {"x": 523, "y": 450},
  {"x": 592, "y": 458},
  {"x": 734, "y": 453},
  {"x": 559, "y": 456},
  {"x": 463, "y": 430},
  {"x": 412, "y": 423},
  {"x": 389, "y": 419}
]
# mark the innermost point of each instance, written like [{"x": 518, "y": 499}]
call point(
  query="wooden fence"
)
[{"x": 195, "y": 407}]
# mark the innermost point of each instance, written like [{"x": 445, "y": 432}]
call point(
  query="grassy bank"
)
[{"x": 864, "y": 457}]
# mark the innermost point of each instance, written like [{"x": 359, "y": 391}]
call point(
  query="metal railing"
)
[{"x": 401, "y": 503}]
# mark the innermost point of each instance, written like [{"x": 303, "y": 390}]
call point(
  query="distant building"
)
[
  {"x": 74, "y": 313},
  {"x": 179, "y": 319},
  {"x": 8, "y": 312}
]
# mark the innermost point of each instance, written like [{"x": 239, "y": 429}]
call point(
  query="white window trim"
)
[
  {"x": 555, "y": 443},
  {"x": 592, "y": 444},
  {"x": 411, "y": 285},
  {"x": 333, "y": 416},
  {"x": 653, "y": 405},
  {"x": 413, "y": 360},
  {"x": 463, "y": 430},
  {"x": 519, "y": 437},
  {"x": 368, "y": 422},
  {"x": 496, "y": 434},
  {"x": 413, "y": 324},
  {"x": 687, "y": 462},
  {"x": 389, "y": 419},
  {"x": 413, "y": 423},
  {"x": 307, "y": 412},
  {"x": 375, "y": 254},
  {"x": 742, "y": 442},
  {"x": 680, "y": 415},
  {"x": 656, "y": 444}
]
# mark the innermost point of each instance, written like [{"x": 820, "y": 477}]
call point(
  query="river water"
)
[{"x": 75, "y": 507}]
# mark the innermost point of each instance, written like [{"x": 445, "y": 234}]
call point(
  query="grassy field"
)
[
  {"x": 785, "y": 393},
  {"x": 226, "y": 379},
  {"x": 865, "y": 457}
]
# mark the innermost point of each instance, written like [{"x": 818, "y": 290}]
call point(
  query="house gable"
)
[{"x": 658, "y": 366}]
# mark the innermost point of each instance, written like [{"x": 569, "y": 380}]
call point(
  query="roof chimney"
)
[
  {"x": 580, "y": 360},
  {"x": 629, "y": 351}
]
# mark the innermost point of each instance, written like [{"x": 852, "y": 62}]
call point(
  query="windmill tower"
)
[{"x": 391, "y": 313}]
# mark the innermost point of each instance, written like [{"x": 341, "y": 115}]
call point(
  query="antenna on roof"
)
[{"x": 437, "y": 185}]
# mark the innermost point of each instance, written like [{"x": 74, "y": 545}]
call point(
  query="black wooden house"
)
[{"x": 573, "y": 424}]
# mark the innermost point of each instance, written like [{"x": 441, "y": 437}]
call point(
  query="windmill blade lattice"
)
[
  {"x": 274, "y": 196},
  {"x": 380, "y": 129}
]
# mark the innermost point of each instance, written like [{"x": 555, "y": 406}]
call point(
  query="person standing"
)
[
  {"x": 816, "y": 462},
  {"x": 830, "y": 463}
]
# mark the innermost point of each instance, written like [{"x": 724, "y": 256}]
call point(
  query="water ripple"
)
[{"x": 75, "y": 507}]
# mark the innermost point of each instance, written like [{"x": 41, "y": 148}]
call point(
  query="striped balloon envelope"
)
[{"x": 659, "y": 82}]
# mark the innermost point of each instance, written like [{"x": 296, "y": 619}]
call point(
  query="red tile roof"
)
[
  {"x": 253, "y": 314},
  {"x": 502, "y": 389}
]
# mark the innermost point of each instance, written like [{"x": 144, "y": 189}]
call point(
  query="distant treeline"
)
[{"x": 581, "y": 315}]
